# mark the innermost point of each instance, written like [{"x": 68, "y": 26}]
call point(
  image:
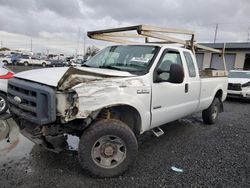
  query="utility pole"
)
[
  {"x": 84, "y": 44},
  {"x": 215, "y": 33},
  {"x": 248, "y": 35},
  {"x": 31, "y": 48},
  {"x": 78, "y": 40}
]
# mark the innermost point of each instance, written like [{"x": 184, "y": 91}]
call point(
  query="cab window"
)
[
  {"x": 168, "y": 58},
  {"x": 190, "y": 64}
]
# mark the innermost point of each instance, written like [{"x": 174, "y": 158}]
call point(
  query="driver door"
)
[{"x": 169, "y": 100}]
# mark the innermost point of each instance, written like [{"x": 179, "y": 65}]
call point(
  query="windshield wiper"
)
[{"x": 111, "y": 67}]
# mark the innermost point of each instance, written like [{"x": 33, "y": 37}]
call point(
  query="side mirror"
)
[{"x": 176, "y": 73}]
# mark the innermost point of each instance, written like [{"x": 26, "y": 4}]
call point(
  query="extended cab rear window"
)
[{"x": 190, "y": 64}]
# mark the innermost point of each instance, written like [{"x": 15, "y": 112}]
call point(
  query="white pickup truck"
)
[
  {"x": 34, "y": 61},
  {"x": 121, "y": 92}
]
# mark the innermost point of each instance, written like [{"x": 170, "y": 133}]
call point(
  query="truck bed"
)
[{"x": 209, "y": 87}]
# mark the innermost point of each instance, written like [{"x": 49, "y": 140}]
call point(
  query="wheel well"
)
[
  {"x": 219, "y": 94},
  {"x": 3, "y": 93},
  {"x": 125, "y": 113}
]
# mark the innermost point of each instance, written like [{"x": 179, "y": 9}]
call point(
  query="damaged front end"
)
[
  {"x": 43, "y": 114},
  {"x": 46, "y": 114}
]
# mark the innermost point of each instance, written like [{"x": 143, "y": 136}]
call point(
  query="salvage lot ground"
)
[{"x": 211, "y": 156}]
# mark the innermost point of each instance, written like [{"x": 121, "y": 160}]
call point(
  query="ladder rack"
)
[{"x": 125, "y": 35}]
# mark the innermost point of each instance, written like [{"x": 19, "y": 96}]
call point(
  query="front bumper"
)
[
  {"x": 35, "y": 133},
  {"x": 245, "y": 93}
]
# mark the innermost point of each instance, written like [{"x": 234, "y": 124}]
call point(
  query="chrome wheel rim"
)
[
  {"x": 2, "y": 104},
  {"x": 215, "y": 112},
  {"x": 108, "y": 151}
]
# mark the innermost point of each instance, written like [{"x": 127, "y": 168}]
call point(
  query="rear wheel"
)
[
  {"x": 210, "y": 115},
  {"x": 44, "y": 64},
  {"x": 26, "y": 64},
  {"x": 108, "y": 148},
  {"x": 3, "y": 103}
]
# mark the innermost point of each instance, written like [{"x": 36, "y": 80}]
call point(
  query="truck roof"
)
[{"x": 173, "y": 46}]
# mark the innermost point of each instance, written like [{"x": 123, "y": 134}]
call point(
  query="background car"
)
[
  {"x": 26, "y": 61},
  {"x": 6, "y": 60},
  {"x": 239, "y": 83},
  {"x": 57, "y": 63},
  {"x": 5, "y": 75}
]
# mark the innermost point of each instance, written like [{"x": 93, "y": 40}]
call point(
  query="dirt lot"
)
[{"x": 210, "y": 156}]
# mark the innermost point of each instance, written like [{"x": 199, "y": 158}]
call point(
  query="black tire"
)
[
  {"x": 117, "y": 133},
  {"x": 210, "y": 115},
  {"x": 26, "y": 64},
  {"x": 43, "y": 64},
  {"x": 3, "y": 103},
  {"x": 5, "y": 62}
]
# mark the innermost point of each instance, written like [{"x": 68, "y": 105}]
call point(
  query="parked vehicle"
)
[
  {"x": 119, "y": 94},
  {"x": 5, "y": 75},
  {"x": 26, "y": 61},
  {"x": 57, "y": 63},
  {"x": 239, "y": 84},
  {"x": 6, "y": 60},
  {"x": 77, "y": 62}
]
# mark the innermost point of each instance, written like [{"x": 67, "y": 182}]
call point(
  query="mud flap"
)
[{"x": 221, "y": 107}]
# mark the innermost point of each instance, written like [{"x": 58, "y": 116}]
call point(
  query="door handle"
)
[{"x": 186, "y": 88}]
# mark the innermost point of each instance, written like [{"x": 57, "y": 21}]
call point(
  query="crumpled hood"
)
[
  {"x": 69, "y": 76},
  {"x": 238, "y": 80}
]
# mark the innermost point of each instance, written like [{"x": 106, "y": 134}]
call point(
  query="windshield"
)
[
  {"x": 125, "y": 58},
  {"x": 239, "y": 75}
]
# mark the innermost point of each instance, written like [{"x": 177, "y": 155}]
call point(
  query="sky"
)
[{"x": 60, "y": 26}]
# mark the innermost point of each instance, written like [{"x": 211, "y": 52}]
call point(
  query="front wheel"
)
[
  {"x": 108, "y": 148},
  {"x": 3, "y": 103},
  {"x": 210, "y": 115},
  {"x": 5, "y": 62},
  {"x": 44, "y": 64}
]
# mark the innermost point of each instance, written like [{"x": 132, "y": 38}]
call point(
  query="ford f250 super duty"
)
[{"x": 119, "y": 94}]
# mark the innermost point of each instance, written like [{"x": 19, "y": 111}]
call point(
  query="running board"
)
[{"x": 158, "y": 131}]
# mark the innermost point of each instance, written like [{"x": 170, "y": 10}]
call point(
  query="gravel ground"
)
[{"x": 210, "y": 156}]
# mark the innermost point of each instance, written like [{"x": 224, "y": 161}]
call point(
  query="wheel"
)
[
  {"x": 44, "y": 64},
  {"x": 210, "y": 115},
  {"x": 107, "y": 148},
  {"x": 3, "y": 103},
  {"x": 5, "y": 62},
  {"x": 26, "y": 64}
]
